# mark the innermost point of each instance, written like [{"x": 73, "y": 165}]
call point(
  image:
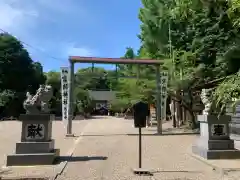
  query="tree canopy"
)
[
  {"x": 198, "y": 41},
  {"x": 18, "y": 74}
]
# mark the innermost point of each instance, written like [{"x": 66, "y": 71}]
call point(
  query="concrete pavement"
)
[
  {"x": 106, "y": 148},
  {"x": 10, "y": 133}
]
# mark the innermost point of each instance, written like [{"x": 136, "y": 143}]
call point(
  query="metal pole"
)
[
  {"x": 71, "y": 100},
  {"x": 158, "y": 103},
  {"x": 140, "y": 147}
]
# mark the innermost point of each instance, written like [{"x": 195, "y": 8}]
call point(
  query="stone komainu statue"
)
[
  {"x": 39, "y": 103},
  {"x": 206, "y": 99}
]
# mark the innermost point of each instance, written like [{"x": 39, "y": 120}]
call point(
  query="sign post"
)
[
  {"x": 65, "y": 75},
  {"x": 141, "y": 111},
  {"x": 140, "y": 147}
]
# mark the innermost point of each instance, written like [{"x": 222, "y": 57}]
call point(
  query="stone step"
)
[
  {"x": 235, "y": 120},
  {"x": 221, "y": 144},
  {"x": 216, "y": 154},
  {"x": 224, "y": 154},
  {"x": 34, "y": 147},
  {"x": 235, "y": 137},
  {"x": 235, "y": 128},
  {"x": 33, "y": 159}
]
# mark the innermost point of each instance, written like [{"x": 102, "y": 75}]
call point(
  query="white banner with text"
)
[
  {"x": 164, "y": 94},
  {"x": 65, "y": 75}
]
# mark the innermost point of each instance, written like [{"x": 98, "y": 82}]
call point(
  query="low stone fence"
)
[
  {"x": 235, "y": 128},
  {"x": 235, "y": 122}
]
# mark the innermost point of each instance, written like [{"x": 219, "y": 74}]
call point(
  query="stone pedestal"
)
[
  {"x": 214, "y": 141},
  {"x": 36, "y": 146}
]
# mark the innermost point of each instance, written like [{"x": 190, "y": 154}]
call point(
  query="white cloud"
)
[
  {"x": 67, "y": 6},
  {"x": 16, "y": 19},
  {"x": 78, "y": 51},
  {"x": 9, "y": 15},
  {"x": 24, "y": 19},
  {"x": 18, "y": 15}
]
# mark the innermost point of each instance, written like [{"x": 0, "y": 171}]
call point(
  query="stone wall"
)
[{"x": 235, "y": 123}]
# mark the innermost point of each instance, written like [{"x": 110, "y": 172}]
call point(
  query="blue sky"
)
[{"x": 55, "y": 29}]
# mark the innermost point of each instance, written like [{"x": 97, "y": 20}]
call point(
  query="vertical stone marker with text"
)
[
  {"x": 65, "y": 75},
  {"x": 164, "y": 82}
]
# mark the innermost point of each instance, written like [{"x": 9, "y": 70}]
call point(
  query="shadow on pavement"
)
[
  {"x": 98, "y": 117},
  {"x": 80, "y": 118},
  {"x": 81, "y": 158},
  {"x": 166, "y": 134},
  {"x": 92, "y": 135},
  {"x": 3, "y": 172},
  {"x": 175, "y": 171},
  {"x": 144, "y": 134},
  {"x": 76, "y": 118}
]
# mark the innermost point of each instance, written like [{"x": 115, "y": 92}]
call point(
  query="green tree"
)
[
  {"x": 198, "y": 40},
  {"x": 84, "y": 101},
  {"x": 53, "y": 78},
  {"x": 16, "y": 67},
  {"x": 18, "y": 74},
  {"x": 92, "y": 79},
  {"x": 38, "y": 76}
]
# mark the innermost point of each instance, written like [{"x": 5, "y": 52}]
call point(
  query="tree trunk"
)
[
  {"x": 188, "y": 107},
  {"x": 172, "y": 111},
  {"x": 193, "y": 120}
]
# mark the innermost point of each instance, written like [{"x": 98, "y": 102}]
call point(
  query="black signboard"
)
[{"x": 140, "y": 113}]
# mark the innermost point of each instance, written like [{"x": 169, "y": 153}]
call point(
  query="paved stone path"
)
[
  {"x": 10, "y": 133},
  {"x": 108, "y": 150}
]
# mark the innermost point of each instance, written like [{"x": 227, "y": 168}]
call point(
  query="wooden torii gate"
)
[{"x": 79, "y": 59}]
